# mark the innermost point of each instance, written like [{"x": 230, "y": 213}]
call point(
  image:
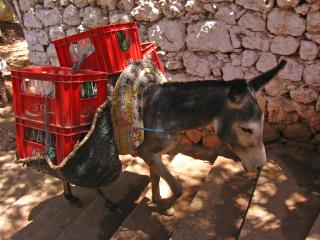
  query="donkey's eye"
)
[{"x": 246, "y": 130}]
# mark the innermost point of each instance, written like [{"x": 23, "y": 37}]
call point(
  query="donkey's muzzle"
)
[{"x": 252, "y": 158}]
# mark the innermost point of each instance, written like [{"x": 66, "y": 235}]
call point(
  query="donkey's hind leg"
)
[
  {"x": 68, "y": 194},
  {"x": 108, "y": 203}
]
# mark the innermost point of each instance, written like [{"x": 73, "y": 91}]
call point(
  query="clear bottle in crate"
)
[{"x": 41, "y": 136}]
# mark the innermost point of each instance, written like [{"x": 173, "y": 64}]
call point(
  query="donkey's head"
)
[{"x": 240, "y": 123}]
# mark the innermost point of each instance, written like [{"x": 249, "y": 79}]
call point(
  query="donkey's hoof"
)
[
  {"x": 73, "y": 200},
  {"x": 157, "y": 207},
  {"x": 114, "y": 208},
  {"x": 152, "y": 204},
  {"x": 167, "y": 212},
  {"x": 118, "y": 211}
]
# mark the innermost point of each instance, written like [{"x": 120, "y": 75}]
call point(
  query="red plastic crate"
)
[
  {"x": 66, "y": 108},
  {"x": 102, "y": 47},
  {"x": 149, "y": 51},
  {"x": 65, "y": 139}
]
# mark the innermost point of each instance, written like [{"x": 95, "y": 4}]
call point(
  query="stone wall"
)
[{"x": 210, "y": 39}]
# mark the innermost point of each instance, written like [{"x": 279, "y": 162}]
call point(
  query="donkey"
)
[{"x": 174, "y": 107}]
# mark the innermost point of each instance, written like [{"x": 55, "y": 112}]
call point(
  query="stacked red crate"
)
[
  {"x": 149, "y": 51},
  {"x": 109, "y": 48},
  {"x": 72, "y": 100}
]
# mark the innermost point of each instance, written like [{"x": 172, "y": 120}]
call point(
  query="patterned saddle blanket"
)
[{"x": 126, "y": 111}]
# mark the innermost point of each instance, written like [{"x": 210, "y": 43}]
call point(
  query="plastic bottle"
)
[
  {"x": 89, "y": 89},
  {"x": 122, "y": 42},
  {"x": 51, "y": 154},
  {"x": 82, "y": 91},
  {"x": 33, "y": 134},
  {"x": 23, "y": 86},
  {"x": 41, "y": 137},
  {"x": 94, "y": 89}
]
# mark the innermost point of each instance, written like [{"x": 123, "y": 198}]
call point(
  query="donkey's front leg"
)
[
  {"x": 157, "y": 170},
  {"x": 155, "y": 179}
]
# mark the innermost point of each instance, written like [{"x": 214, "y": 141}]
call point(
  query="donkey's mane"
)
[{"x": 203, "y": 83}]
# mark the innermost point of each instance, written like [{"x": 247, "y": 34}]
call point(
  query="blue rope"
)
[{"x": 153, "y": 130}]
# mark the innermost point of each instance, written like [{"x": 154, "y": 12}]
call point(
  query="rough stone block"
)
[
  {"x": 304, "y": 95},
  {"x": 26, "y": 5},
  {"x": 276, "y": 87},
  {"x": 256, "y": 40},
  {"x": 126, "y": 5},
  {"x": 194, "y": 7},
  {"x": 109, "y": 4},
  {"x": 195, "y": 64},
  {"x": 313, "y": 22},
  {"x": 287, "y": 3},
  {"x": 173, "y": 8},
  {"x": 270, "y": 133},
  {"x": 39, "y": 58},
  {"x": 285, "y": 22},
  {"x": 314, "y": 37},
  {"x": 226, "y": 14},
  {"x": 119, "y": 17},
  {"x": 231, "y": 72},
  {"x": 51, "y": 51},
  {"x": 31, "y": 21},
  {"x": 249, "y": 57},
  {"x": 50, "y": 3},
  {"x": 256, "y": 5},
  {"x": 93, "y": 17},
  {"x": 298, "y": 132},
  {"x": 211, "y": 141},
  {"x": 71, "y": 15},
  {"x": 292, "y": 71},
  {"x": 49, "y": 17},
  {"x": 284, "y": 45},
  {"x": 168, "y": 34},
  {"x": 80, "y": 3},
  {"x": 33, "y": 47},
  {"x": 57, "y": 32},
  {"x": 147, "y": 11},
  {"x": 210, "y": 36},
  {"x": 252, "y": 21},
  {"x": 266, "y": 61},
  {"x": 311, "y": 74},
  {"x": 308, "y": 50}
]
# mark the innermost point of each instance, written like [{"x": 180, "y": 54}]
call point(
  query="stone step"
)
[
  {"x": 19, "y": 214},
  {"x": 315, "y": 230},
  {"x": 286, "y": 200},
  {"x": 33, "y": 205},
  {"x": 17, "y": 181},
  {"x": 97, "y": 222},
  {"x": 142, "y": 223},
  {"x": 218, "y": 208},
  {"x": 53, "y": 215}
]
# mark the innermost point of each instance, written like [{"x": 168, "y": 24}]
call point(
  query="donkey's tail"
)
[
  {"x": 127, "y": 111},
  {"x": 264, "y": 78}
]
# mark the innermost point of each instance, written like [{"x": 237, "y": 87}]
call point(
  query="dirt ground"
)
[{"x": 15, "y": 53}]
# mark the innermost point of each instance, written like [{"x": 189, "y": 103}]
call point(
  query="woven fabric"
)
[{"x": 127, "y": 112}]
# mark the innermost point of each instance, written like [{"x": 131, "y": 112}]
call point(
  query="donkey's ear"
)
[
  {"x": 237, "y": 91},
  {"x": 264, "y": 78}
]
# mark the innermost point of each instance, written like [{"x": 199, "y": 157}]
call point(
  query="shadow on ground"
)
[{"x": 33, "y": 205}]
